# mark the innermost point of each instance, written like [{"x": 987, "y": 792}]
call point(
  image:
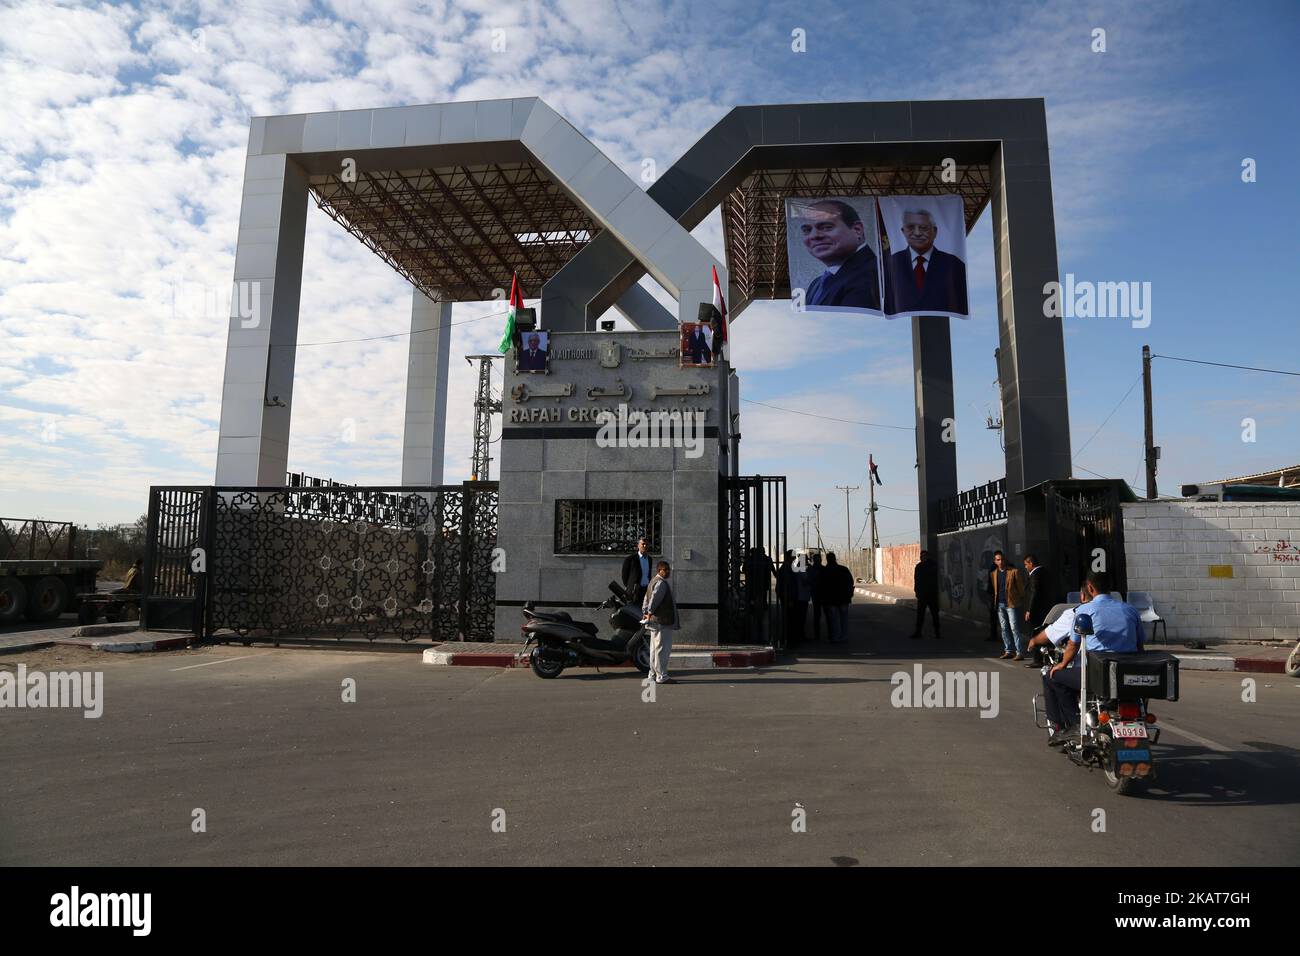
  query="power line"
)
[
  {"x": 1246, "y": 368},
  {"x": 1108, "y": 418},
  {"x": 844, "y": 421}
]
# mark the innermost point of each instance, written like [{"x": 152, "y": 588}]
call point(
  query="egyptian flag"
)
[
  {"x": 720, "y": 305},
  {"x": 875, "y": 474},
  {"x": 516, "y": 303}
]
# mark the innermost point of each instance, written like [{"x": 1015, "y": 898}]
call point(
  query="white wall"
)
[{"x": 1171, "y": 546}]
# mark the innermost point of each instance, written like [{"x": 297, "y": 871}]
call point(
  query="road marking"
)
[{"x": 224, "y": 660}]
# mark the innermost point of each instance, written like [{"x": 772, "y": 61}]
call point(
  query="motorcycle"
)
[
  {"x": 563, "y": 642},
  {"x": 1116, "y": 727}
]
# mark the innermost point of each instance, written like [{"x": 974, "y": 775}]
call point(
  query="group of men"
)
[
  {"x": 801, "y": 581},
  {"x": 1020, "y": 606}
]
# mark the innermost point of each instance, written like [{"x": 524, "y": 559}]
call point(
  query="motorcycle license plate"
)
[{"x": 1124, "y": 731}]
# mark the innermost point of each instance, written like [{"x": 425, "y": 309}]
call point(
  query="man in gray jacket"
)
[{"x": 660, "y": 619}]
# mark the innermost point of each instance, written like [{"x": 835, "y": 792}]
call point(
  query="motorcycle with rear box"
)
[
  {"x": 558, "y": 641},
  {"x": 1117, "y": 728}
]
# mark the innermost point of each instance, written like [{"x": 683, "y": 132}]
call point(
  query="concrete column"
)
[
  {"x": 424, "y": 438},
  {"x": 1035, "y": 409},
  {"x": 257, "y": 391},
  {"x": 936, "y": 472}
]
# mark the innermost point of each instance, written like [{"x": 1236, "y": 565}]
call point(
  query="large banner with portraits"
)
[
  {"x": 834, "y": 253},
  {"x": 896, "y": 256},
  {"x": 925, "y": 259}
]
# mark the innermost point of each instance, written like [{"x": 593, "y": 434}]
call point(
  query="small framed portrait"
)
[
  {"x": 697, "y": 345},
  {"x": 533, "y": 354}
]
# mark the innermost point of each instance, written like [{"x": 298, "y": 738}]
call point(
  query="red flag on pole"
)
[
  {"x": 871, "y": 464},
  {"x": 721, "y": 305}
]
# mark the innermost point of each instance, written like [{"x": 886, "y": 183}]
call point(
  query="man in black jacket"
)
[
  {"x": 1039, "y": 598},
  {"x": 925, "y": 581},
  {"x": 637, "y": 571},
  {"x": 834, "y": 234}
]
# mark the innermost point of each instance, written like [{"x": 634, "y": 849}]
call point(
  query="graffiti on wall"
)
[{"x": 965, "y": 560}]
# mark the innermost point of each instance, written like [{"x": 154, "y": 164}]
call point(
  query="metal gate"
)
[
  {"x": 752, "y": 528},
  {"x": 1084, "y": 519},
  {"x": 329, "y": 561},
  {"x": 173, "y": 592}
]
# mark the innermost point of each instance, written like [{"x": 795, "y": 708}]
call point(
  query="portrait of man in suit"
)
[
  {"x": 697, "y": 344},
  {"x": 532, "y": 355},
  {"x": 833, "y": 232},
  {"x": 921, "y": 278}
]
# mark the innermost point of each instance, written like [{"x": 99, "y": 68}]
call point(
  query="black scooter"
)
[{"x": 563, "y": 642}]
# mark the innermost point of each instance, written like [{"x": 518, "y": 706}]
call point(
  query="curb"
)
[
  {"x": 882, "y": 596},
  {"x": 691, "y": 660},
  {"x": 134, "y": 647}
]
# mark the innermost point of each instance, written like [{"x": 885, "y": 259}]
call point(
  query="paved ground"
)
[{"x": 586, "y": 772}]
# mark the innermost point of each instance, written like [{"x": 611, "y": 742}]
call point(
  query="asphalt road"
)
[{"x": 586, "y": 772}]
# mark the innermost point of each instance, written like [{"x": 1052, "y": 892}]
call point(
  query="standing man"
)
[
  {"x": 660, "y": 619},
  {"x": 1009, "y": 599},
  {"x": 1038, "y": 594},
  {"x": 839, "y": 595},
  {"x": 817, "y": 584},
  {"x": 925, "y": 582},
  {"x": 636, "y": 571}
]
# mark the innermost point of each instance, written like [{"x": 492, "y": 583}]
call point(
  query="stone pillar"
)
[
  {"x": 425, "y": 433},
  {"x": 936, "y": 472},
  {"x": 257, "y": 391},
  {"x": 1035, "y": 409}
]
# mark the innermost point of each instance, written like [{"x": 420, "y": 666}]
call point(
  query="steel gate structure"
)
[
  {"x": 1082, "y": 517},
  {"x": 413, "y": 563},
  {"x": 752, "y": 516}
]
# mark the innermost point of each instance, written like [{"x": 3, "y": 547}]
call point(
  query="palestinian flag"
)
[
  {"x": 721, "y": 306},
  {"x": 516, "y": 303},
  {"x": 875, "y": 474}
]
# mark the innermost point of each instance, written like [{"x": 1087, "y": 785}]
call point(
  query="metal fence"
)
[
  {"x": 324, "y": 561},
  {"x": 36, "y": 540},
  {"x": 984, "y": 504}
]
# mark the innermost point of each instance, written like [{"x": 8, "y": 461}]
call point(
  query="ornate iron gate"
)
[
  {"x": 172, "y": 596},
  {"x": 752, "y": 516},
  {"x": 1082, "y": 518},
  {"x": 341, "y": 562}
]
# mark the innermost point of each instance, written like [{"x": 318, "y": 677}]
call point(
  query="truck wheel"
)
[
  {"x": 13, "y": 599},
  {"x": 48, "y": 599}
]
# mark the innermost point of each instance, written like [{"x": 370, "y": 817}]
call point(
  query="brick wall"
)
[
  {"x": 897, "y": 563},
  {"x": 1172, "y": 547}
]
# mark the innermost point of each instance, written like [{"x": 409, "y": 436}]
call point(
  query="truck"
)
[{"x": 40, "y": 575}]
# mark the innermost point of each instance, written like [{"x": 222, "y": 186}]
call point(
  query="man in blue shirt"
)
[{"x": 1115, "y": 627}]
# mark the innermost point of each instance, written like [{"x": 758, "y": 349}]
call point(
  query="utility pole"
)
[
  {"x": 874, "y": 543},
  {"x": 805, "y": 531},
  {"x": 484, "y": 406},
  {"x": 817, "y": 510},
  {"x": 848, "y": 519},
  {"x": 1152, "y": 452}
]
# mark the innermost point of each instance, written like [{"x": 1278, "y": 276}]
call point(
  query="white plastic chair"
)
[{"x": 1141, "y": 601}]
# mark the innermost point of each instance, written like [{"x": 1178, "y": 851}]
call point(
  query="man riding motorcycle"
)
[{"x": 1116, "y": 627}]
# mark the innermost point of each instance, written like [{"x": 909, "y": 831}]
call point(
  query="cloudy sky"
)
[{"x": 125, "y": 129}]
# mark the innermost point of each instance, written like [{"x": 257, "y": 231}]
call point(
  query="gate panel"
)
[
  {"x": 752, "y": 517},
  {"x": 172, "y": 595}
]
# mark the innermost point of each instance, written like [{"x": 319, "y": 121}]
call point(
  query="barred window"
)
[{"x": 583, "y": 526}]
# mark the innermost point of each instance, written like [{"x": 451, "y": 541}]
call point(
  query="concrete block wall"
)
[{"x": 1170, "y": 548}]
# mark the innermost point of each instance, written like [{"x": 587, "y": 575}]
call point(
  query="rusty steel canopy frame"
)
[
  {"x": 753, "y": 213},
  {"x": 458, "y": 233}
]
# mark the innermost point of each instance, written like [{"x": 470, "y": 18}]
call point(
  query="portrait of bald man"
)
[
  {"x": 833, "y": 232},
  {"x": 922, "y": 279}
]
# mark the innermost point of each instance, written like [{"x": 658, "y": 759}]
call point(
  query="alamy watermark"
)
[
  {"x": 1100, "y": 300},
  {"x": 652, "y": 429},
  {"x": 74, "y": 689},
  {"x": 946, "y": 689}
]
